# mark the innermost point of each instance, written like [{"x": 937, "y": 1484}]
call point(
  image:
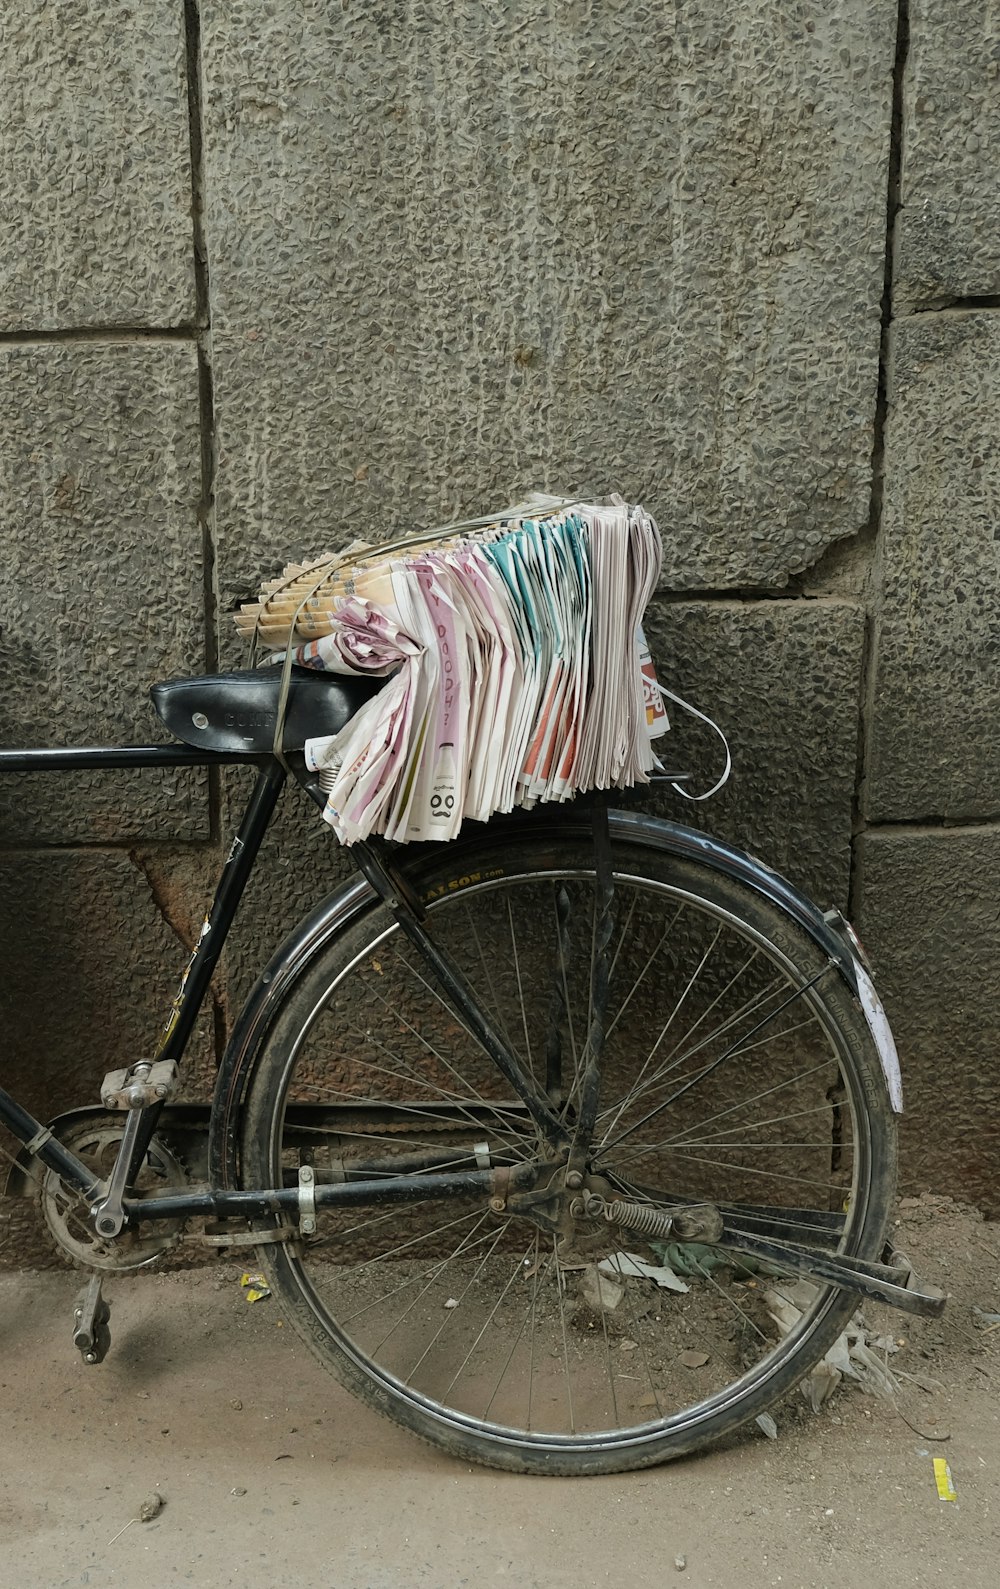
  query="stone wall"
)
[{"x": 277, "y": 272}]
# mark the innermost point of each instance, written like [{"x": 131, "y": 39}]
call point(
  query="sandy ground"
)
[{"x": 270, "y": 1474}]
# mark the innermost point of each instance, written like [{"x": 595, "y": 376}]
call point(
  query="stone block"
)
[
  {"x": 929, "y": 920},
  {"x": 949, "y": 223},
  {"x": 459, "y": 254},
  {"x": 91, "y": 964},
  {"x": 934, "y": 747},
  {"x": 782, "y": 680},
  {"x": 95, "y": 208},
  {"x": 102, "y": 591}
]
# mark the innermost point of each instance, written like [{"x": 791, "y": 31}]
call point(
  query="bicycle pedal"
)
[{"x": 91, "y": 1313}]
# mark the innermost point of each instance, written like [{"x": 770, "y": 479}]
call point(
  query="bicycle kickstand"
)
[{"x": 91, "y": 1335}]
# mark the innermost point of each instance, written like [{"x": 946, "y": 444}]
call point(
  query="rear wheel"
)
[{"x": 738, "y": 1072}]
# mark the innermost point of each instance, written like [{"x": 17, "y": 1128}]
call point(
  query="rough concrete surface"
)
[
  {"x": 929, "y": 920},
  {"x": 95, "y": 210},
  {"x": 103, "y": 577},
  {"x": 88, "y": 953},
  {"x": 781, "y": 680},
  {"x": 464, "y": 251},
  {"x": 949, "y": 226},
  {"x": 934, "y": 747},
  {"x": 270, "y": 1473}
]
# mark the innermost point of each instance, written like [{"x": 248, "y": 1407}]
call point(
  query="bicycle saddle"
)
[{"x": 238, "y": 711}]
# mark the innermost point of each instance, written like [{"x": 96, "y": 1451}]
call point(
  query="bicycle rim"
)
[{"x": 737, "y": 1072}]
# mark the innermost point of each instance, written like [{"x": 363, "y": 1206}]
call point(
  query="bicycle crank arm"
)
[{"x": 878, "y": 1281}]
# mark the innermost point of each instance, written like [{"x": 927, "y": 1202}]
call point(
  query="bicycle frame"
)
[
  {"x": 40, "y": 1143},
  {"x": 289, "y": 1210}
]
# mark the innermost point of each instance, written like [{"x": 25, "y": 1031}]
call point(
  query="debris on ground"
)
[
  {"x": 151, "y": 1507},
  {"x": 853, "y": 1355},
  {"x": 694, "y": 1359},
  {"x": 598, "y": 1290},
  {"x": 255, "y": 1287},
  {"x": 629, "y": 1263},
  {"x": 943, "y": 1480},
  {"x": 986, "y": 1321},
  {"x": 695, "y": 1259}
]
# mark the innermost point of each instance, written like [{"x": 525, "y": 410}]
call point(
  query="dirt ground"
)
[{"x": 269, "y": 1473}]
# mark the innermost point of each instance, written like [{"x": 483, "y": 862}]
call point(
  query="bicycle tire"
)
[{"x": 557, "y": 1375}]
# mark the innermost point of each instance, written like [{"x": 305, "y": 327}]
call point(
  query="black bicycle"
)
[{"x": 530, "y": 1129}]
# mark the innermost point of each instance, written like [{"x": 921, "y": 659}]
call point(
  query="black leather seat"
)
[{"x": 238, "y": 711}]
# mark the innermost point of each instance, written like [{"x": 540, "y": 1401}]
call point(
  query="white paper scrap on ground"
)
[
  {"x": 853, "y": 1355},
  {"x": 629, "y": 1263}
]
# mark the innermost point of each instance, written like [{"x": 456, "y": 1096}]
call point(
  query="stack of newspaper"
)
[{"x": 516, "y": 665}]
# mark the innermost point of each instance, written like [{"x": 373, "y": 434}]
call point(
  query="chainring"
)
[{"x": 67, "y": 1215}]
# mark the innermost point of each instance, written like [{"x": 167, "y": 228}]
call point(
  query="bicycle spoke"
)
[
  {"x": 707, "y": 1275},
  {"x": 459, "y": 1300},
  {"x": 723, "y": 1080},
  {"x": 639, "y": 1334},
  {"x": 424, "y": 1042},
  {"x": 623, "y": 937},
  {"x": 534, "y": 1314},
  {"x": 420, "y": 1078},
  {"x": 670, "y": 1020},
  {"x": 414, "y": 1241},
  {"x": 465, "y": 1246},
  {"x": 520, "y": 990},
  {"x": 515, "y": 1343},
  {"x": 720, "y": 1164},
  {"x": 678, "y": 1056},
  {"x": 729, "y": 1053},
  {"x": 489, "y": 1320},
  {"x": 664, "y": 936},
  {"x": 495, "y": 1007},
  {"x": 565, "y": 1344},
  {"x": 758, "y": 1097},
  {"x": 377, "y": 1219},
  {"x": 683, "y": 1139}
]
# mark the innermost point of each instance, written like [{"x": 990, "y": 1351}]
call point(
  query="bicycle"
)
[{"x": 525, "y": 1128}]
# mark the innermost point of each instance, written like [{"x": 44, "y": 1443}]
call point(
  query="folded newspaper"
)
[{"x": 516, "y": 666}]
